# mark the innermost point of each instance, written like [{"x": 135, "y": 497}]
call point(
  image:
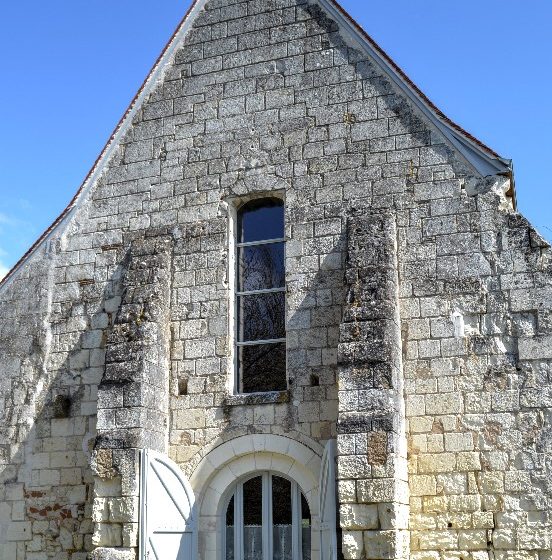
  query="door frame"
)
[{"x": 267, "y": 523}]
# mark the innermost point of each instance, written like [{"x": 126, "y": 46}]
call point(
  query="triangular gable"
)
[{"x": 482, "y": 158}]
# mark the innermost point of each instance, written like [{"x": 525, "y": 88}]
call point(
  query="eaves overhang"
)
[{"x": 482, "y": 158}]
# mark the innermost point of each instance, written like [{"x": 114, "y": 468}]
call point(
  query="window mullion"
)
[
  {"x": 261, "y": 292},
  {"x": 267, "y": 517},
  {"x": 295, "y": 522},
  {"x": 260, "y": 342},
  {"x": 261, "y": 242},
  {"x": 238, "y": 523}
]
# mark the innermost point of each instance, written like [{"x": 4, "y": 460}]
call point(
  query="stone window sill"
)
[{"x": 271, "y": 397}]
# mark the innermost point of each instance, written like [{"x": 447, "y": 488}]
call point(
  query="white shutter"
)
[
  {"x": 328, "y": 535},
  {"x": 167, "y": 514}
]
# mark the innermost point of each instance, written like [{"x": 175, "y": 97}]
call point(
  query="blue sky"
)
[{"x": 70, "y": 68}]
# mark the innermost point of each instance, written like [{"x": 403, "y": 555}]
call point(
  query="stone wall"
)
[
  {"x": 477, "y": 380},
  {"x": 266, "y": 96}
]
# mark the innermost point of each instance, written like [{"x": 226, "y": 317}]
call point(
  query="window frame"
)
[
  {"x": 267, "y": 521},
  {"x": 236, "y": 384}
]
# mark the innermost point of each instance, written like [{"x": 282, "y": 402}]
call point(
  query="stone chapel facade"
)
[{"x": 291, "y": 314}]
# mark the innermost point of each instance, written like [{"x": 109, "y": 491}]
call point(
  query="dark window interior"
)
[
  {"x": 253, "y": 519},
  {"x": 260, "y": 220},
  {"x": 260, "y": 297},
  {"x": 281, "y": 501}
]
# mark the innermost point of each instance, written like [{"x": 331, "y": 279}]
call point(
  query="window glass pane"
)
[
  {"x": 230, "y": 513},
  {"x": 261, "y": 267},
  {"x": 261, "y": 317},
  {"x": 230, "y": 530},
  {"x": 263, "y": 367},
  {"x": 261, "y": 219},
  {"x": 305, "y": 529},
  {"x": 281, "y": 501},
  {"x": 253, "y": 519},
  {"x": 281, "y": 519}
]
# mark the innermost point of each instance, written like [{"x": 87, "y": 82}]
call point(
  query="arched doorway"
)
[
  {"x": 219, "y": 473},
  {"x": 267, "y": 517}
]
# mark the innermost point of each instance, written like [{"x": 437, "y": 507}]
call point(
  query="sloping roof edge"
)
[
  {"x": 118, "y": 132},
  {"x": 484, "y": 160}
]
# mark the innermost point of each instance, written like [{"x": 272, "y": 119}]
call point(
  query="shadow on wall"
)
[{"x": 48, "y": 427}]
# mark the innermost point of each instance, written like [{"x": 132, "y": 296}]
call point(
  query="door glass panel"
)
[
  {"x": 230, "y": 530},
  {"x": 281, "y": 518},
  {"x": 289, "y": 523},
  {"x": 253, "y": 519},
  {"x": 261, "y": 267},
  {"x": 305, "y": 529}
]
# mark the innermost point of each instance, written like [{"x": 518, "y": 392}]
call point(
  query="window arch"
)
[
  {"x": 267, "y": 517},
  {"x": 260, "y": 297}
]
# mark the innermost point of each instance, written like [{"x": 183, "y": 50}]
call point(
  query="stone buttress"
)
[{"x": 372, "y": 469}]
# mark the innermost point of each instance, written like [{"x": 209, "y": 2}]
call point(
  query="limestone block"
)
[
  {"x": 472, "y": 540},
  {"x": 113, "y": 554},
  {"x": 105, "y": 487},
  {"x": 346, "y": 491},
  {"x": 9, "y": 549},
  {"x": 100, "y": 510},
  {"x": 466, "y": 503},
  {"x": 19, "y": 531},
  {"x": 66, "y": 538},
  {"x": 436, "y": 463},
  {"x": 352, "y": 545},
  {"x": 469, "y": 461},
  {"x": 393, "y": 517},
  {"x": 353, "y": 466},
  {"x": 448, "y": 403},
  {"x": 459, "y": 442},
  {"x": 483, "y": 520},
  {"x": 123, "y": 510},
  {"x": 426, "y": 556},
  {"x": 386, "y": 545},
  {"x": 376, "y": 491},
  {"x": 492, "y": 482},
  {"x": 438, "y": 540},
  {"x": 423, "y": 485},
  {"x": 535, "y": 348},
  {"x": 106, "y": 535},
  {"x": 452, "y": 483},
  {"x": 535, "y": 538},
  {"x": 359, "y": 516},
  {"x": 130, "y": 534},
  {"x": 517, "y": 481}
]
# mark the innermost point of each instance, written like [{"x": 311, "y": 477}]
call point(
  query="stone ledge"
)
[
  {"x": 271, "y": 397},
  {"x": 113, "y": 554}
]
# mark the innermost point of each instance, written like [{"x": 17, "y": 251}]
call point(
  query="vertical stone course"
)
[
  {"x": 133, "y": 393},
  {"x": 372, "y": 473}
]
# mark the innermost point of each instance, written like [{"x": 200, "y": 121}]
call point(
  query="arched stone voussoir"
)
[{"x": 227, "y": 452}]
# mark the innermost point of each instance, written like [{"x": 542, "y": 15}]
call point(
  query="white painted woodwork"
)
[
  {"x": 327, "y": 495},
  {"x": 167, "y": 519}
]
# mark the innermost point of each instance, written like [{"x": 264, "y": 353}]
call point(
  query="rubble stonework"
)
[{"x": 419, "y": 308}]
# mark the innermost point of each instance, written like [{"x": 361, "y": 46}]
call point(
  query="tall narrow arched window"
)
[
  {"x": 267, "y": 518},
  {"x": 260, "y": 297}
]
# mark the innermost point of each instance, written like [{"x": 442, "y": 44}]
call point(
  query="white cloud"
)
[{"x": 6, "y": 220}]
